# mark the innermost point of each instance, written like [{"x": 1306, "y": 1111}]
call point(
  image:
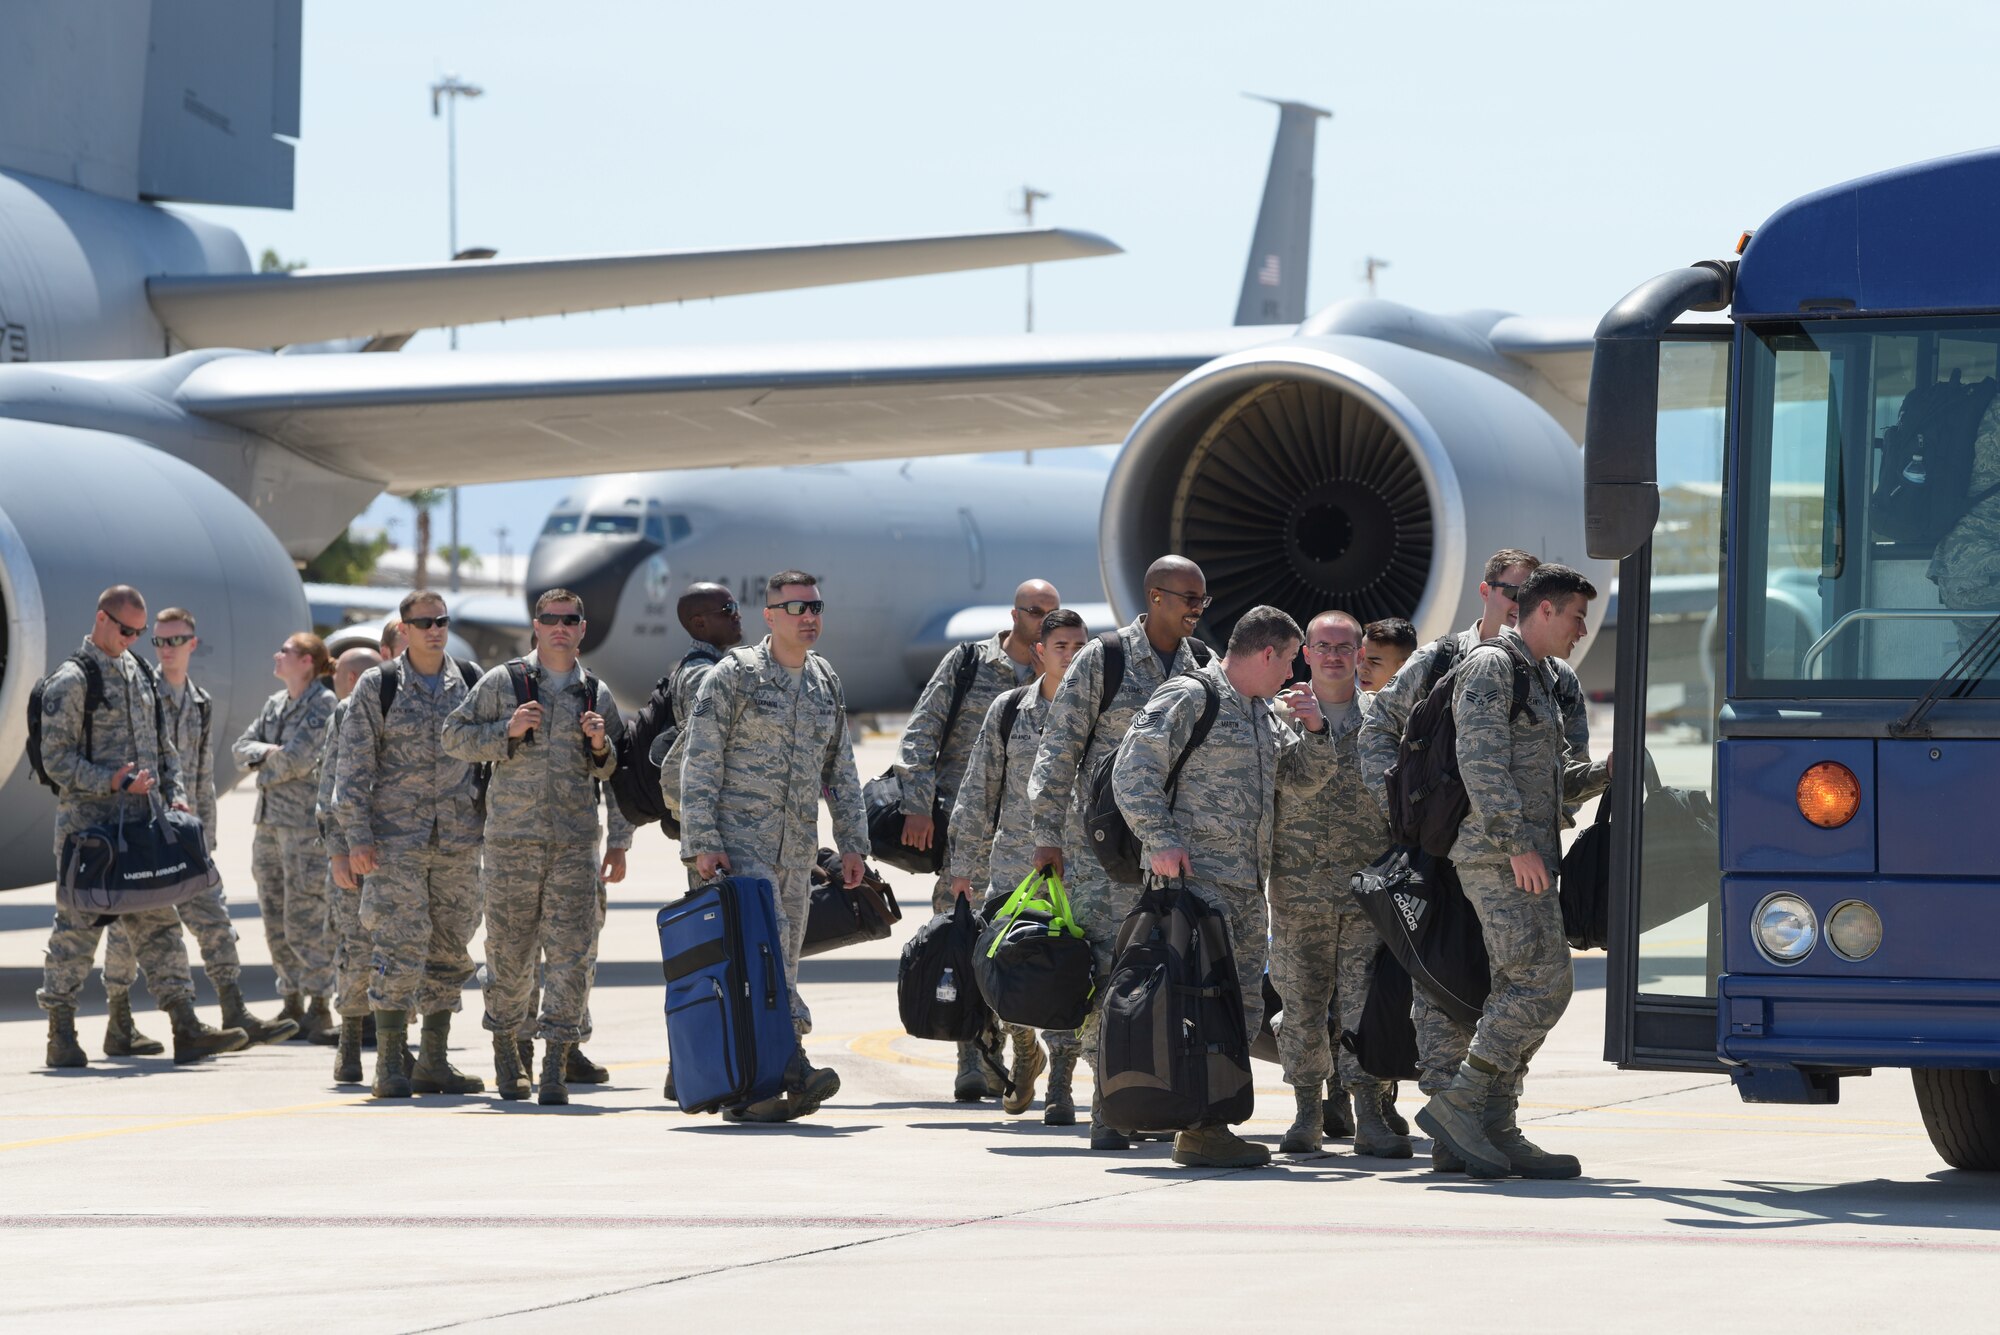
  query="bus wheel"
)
[{"x": 1962, "y": 1114}]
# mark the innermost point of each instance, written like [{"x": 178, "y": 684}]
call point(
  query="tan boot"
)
[
  {"x": 434, "y": 1073},
  {"x": 392, "y": 1065},
  {"x": 194, "y": 1040},
  {"x": 1303, "y": 1136},
  {"x": 1029, "y": 1063},
  {"x": 1374, "y": 1138},
  {"x": 121, "y": 1035},
  {"x": 1059, "y": 1104},
  {"x": 1218, "y": 1147},
  {"x": 1456, "y": 1115},
  {"x": 64, "y": 1051}
]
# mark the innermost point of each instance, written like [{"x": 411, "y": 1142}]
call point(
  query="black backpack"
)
[
  {"x": 1386, "y": 1042},
  {"x": 1422, "y": 915},
  {"x": 636, "y": 784},
  {"x": 1925, "y": 483},
  {"x": 1426, "y": 796},
  {"x": 1110, "y": 834},
  {"x": 93, "y": 700},
  {"x": 882, "y": 796},
  {"x": 391, "y": 680},
  {"x": 1173, "y": 1054},
  {"x": 942, "y": 946}
]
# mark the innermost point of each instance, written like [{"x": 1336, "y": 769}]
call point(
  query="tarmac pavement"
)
[{"x": 250, "y": 1192}]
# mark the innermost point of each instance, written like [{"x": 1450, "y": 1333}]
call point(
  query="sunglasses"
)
[
  {"x": 1511, "y": 592},
  {"x": 729, "y": 609},
  {"x": 425, "y": 623},
  {"x": 798, "y": 607},
  {"x": 559, "y": 619},
  {"x": 129, "y": 632},
  {"x": 1036, "y": 612},
  {"x": 293, "y": 650},
  {"x": 1191, "y": 599},
  {"x": 168, "y": 641}
]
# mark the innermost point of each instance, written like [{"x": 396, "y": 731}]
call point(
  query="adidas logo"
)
[{"x": 1411, "y": 908}]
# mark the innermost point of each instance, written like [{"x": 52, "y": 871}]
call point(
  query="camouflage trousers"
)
[
  {"x": 793, "y": 896},
  {"x": 351, "y": 962},
  {"x": 1529, "y": 959},
  {"x": 420, "y": 908},
  {"x": 1101, "y": 906},
  {"x": 542, "y": 906},
  {"x": 156, "y": 940},
  {"x": 1322, "y": 957},
  {"x": 541, "y": 972},
  {"x": 290, "y": 867},
  {"x": 207, "y": 916}
]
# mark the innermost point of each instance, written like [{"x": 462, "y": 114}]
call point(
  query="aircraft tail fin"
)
[{"x": 1274, "y": 280}]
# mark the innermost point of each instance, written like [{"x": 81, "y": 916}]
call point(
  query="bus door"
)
[{"x": 1664, "y": 953}]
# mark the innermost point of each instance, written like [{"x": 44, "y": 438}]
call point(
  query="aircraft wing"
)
[{"x": 440, "y": 419}]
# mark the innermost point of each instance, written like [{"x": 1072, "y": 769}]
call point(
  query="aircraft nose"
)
[{"x": 595, "y": 567}]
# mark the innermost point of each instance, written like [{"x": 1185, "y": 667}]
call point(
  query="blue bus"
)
[{"x": 1805, "y": 870}]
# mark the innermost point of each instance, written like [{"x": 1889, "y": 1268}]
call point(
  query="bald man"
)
[{"x": 937, "y": 744}]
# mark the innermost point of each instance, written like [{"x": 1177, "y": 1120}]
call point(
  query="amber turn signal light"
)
[{"x": 1829, "y": 794}]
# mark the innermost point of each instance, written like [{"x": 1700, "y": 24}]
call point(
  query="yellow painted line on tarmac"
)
[
  {"x": 878, "y": 1045},
  {"x": 179, "y": 1122}
]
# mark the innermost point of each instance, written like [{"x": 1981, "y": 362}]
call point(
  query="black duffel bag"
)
[
  {"x": 1032, "y": 963},
  {"x": 1585, "y": 883},
  {"x": 882, "y": 796},
  {"x": 1386, "y": 1042},
  {"x": 841, "y": 917},
  {"x": 936, "y": 993},
  {"x": 1422, "y": 915},
  {"x": 132, "y": 864},
  {"x": 1680, "y": 863}
]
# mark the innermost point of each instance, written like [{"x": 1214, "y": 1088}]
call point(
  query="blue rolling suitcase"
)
[{"x": 729, "y": 1010}]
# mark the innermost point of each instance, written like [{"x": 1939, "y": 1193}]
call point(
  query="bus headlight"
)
[
  {"x": 1785, "y": 928},
  {"x": 1854, "y": 930}
]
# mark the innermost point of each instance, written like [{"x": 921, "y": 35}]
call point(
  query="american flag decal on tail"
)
[{"x": 1268, "y": 274}]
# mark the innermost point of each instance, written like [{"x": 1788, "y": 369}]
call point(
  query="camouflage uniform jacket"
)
[
  {"x": 1382, "y": 732},
  {"x": 546, "y": 790},
  {"x": 398, "y": 787},
  {"x": 122, "y": 732},
  {"x": 197, "y": 753},
  {"x": 1967, "y": 559},
  {"x": 283, "y": 746},
  {"x": 923, "y": 780},
  {"x": 687, "y": 680},
  {"x": 1517, "y": 774},
  {"x": 1221, "y": 811},
  {"x": 760, "y": 750},
  {"x": 1076, "y": 733},
  {"x": 981, "y": 848},
  {"x": 1324, "y": 837},
  {"x": 330, "y": 833}
]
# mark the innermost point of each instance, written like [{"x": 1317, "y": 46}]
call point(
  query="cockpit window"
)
[
  {"x": 615, "y": 524},
  {"x": 678, "y": 527},
  {"x": 656, "y": 531},
  {"x": 559, "y": 524}
]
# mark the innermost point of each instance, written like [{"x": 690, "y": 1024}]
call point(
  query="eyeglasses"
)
[
  {"x": 293, "y": 650},
  {"x": 1341, "y": 650},
  {"x": 1511, "y": 592},
  {"x": 798, "y": 607},
  {"x": 168, "y": 641},
  {"x": 129, "y": 632},
  {"x": 425, "y": 623},
  {"x": 1191, "y": 599},
  {"x": 559, "y": 619},
  {"x": 1036, "y": 612},
  {"x": 729, "y": 609}
]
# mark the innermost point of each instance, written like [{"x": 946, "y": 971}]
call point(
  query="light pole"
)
[
  {"x": 1029, "y": 196},
  {"x": 444, "y": 101}
]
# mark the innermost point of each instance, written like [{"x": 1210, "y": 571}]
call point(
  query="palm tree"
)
[{"x": 423, "y": 502}]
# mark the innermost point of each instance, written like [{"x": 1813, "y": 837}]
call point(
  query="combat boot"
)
[
  {"x": 970, "y": 1086},
  {"x": 1103, "y": 1135},
  {"x": 525, "y": 1050},
  {"x": 1303, "y": 1137},
  {"x": 808, "y": 1086},
  {"x": 434, "y": 1073},
  {"x": 669, "y": 1088},
  {"x": 1524, "y": 1157},
  {"x": 194, "y": 1040},
  {"x": 1374, "y": 1138},
  {"x": 121, "y": 1036},
  {"x": 778, "y": 1108},
  {"x": 1029, "y": 1063},
  {"x": 553, "y": 1092},
  {"x": 347, "y": 1056},
  {"x": 1219, "y": 1147},
  {"x": 510, "y": 1078},
  {"x": 237, "y": 1016},
  {"x": 581, "y": 1070},
  {"x": 368, "y": 1030},
  {"x": 1443, "y": 1160},
  {"x": 1397, "y": 1122},
  {"x": 294, "y": 1010},
  {"x": 64, "y": 1050},
  {"x": 1455, "y": 1114},
  {"x": 1059, "y": 1104},
  {"x": 319, "y": 1025},
  {"x": 1337, "y": 1115},
  {"x": 392, "y": 1057}
]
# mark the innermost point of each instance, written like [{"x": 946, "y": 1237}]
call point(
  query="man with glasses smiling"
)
[
  {"x": 937, "y": 745},
  {"x": 104, "y": 763},
  {"x": 768, "y": 735}
]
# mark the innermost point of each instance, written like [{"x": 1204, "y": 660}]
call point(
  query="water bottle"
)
[{"x": 947, "y": 989}]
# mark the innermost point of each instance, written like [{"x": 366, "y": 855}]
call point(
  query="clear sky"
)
[{"x": 1535, "y": 157}]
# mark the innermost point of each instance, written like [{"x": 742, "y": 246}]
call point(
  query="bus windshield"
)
[{"x": 1867, "y": 504}]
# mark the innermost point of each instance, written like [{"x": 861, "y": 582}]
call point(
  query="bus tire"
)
[{"x": 1962, "y": 1114}]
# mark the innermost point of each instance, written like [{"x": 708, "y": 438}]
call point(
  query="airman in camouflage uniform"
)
[
  {"x": 931, "y": 759},
  {"x": 991, "y": 848},
  {"x": 541, "y": 872},
  {"x": 1442, "y": 1040},
  {"x": 1519, "y": 772},
  {"x": 350, "y": 940},
  {"x": 283, "y": 746},
  {"x": 129, "y": 759},
  {"x": 1323, "y": 946},
  {"x": 1215, "y": 827},
  {"x": 1966, "y": 564},
  {"x": 764, "y": 741}
]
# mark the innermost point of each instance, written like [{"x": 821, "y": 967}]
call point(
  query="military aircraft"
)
[{"x": 1365, "y": 457}]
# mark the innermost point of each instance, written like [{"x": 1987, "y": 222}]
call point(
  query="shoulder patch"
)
[
  {"x": 51, "y": 703},
  {"x": 704, "y": 704},
  {"x": 1146, "y": 718}
]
